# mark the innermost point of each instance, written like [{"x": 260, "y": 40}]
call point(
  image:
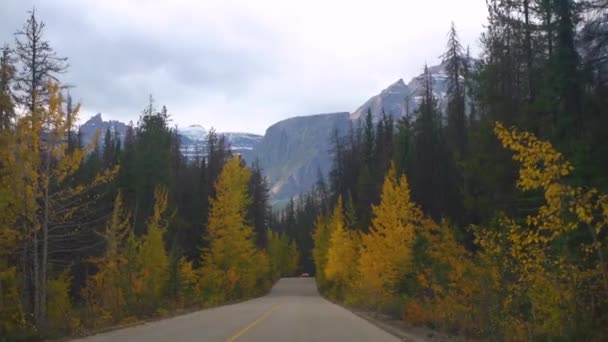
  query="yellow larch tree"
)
[
  {"x": 231, "y": 265},
  {"x": 11, "y": 315},
  {"x": 105, "y": 291},
  {"x": 48, "y": 203},
  {"x": 154, "y": 262},
  {"x": 293, "y": 258},
  {"x": 342, "y": 252},
  {"x": 188, "y": 279},
  {"x": 386, "y": 252},
  {"x": 282, "y": 253},
  {"x": 534, "y": 250},
  {"x": 321, "y": 236}
]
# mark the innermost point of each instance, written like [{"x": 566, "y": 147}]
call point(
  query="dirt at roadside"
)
[{"x": 405, "y": 331}]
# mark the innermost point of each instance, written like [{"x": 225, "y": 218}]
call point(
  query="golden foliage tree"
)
[
  {"x": 47, "y": 203},
  {"x": 151, "y": 282},
  {"x": 342, "y": 252},
  {"x": 105, "y": 291},
  {"x": 293, "y": 258},
  {"x": 321, "y": 236},
  {"x": 232, "y": 266},
  {"x": 552, "y": 278},
  {"x": 11, "y": 316},
  {"x": 386, "y": 252},
  {"x": 188, "y": 279},
  {"x": 283, "y": 255}
]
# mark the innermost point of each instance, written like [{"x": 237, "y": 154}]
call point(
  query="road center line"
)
[{"x": 252, "y": 324}]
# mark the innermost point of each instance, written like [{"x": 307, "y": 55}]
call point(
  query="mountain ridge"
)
[{"x": 293, "y": 152}]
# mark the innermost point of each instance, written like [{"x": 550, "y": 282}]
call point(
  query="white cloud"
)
[{"x": 243, "y": 65}]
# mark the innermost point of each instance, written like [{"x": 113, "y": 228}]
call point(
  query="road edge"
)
[
  {"x": 152, "y": 319},
  {"x": 399, "y": 328}
]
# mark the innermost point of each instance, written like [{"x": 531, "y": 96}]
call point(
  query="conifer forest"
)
[{"x": 484, "y": 217}]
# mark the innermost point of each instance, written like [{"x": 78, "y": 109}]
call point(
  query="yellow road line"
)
[{"x": 252, "y": 324}]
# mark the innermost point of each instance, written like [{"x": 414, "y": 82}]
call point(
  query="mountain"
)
[
  {"x": 392, "y": 100},
  {"x": 194, "y": 132},
  {"x": 194, "y": 141},
  {"x": 294, "y": 151},
  {"x": 193, "y": 138},
  {"x": 96, "y": 122}
]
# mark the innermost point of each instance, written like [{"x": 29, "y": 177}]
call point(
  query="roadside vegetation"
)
[{"x": 124, "y": 228}]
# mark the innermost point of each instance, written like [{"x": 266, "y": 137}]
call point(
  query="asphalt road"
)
[{"x": 293, "y": 311}]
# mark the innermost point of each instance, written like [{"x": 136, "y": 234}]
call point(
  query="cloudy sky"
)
[{"x": 242, "y": 65}]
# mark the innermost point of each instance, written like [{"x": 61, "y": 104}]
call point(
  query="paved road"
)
[{"x": 293, "y": 311}]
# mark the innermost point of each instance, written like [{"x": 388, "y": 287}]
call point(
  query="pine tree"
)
[
  {"x": 429, "y": 184},
  {"x": 259, "y": 210},
  {"x": 456, "y": 120},
  {"x": 7, "y": 76},
  {"x": 152, "y": 165},
  {"x": 40, "y": 64}
]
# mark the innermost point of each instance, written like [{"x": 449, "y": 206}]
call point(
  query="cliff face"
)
[{"x": 293, "y": 151}]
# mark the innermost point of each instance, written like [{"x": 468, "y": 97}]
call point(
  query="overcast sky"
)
[{"x": 242, "y": 65}]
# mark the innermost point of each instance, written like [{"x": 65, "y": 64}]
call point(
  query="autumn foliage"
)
[{"x": 544, "y": 277}]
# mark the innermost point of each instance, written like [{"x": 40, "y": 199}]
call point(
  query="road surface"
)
[{"x": 293, "y": 311}]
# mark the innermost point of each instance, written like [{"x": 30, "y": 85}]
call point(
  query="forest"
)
[
  {"x": 117, "y": 231},
  {"x": 486, "y": 216}
]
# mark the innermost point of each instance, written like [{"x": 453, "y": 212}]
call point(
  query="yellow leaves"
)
[
  {"x": 232, "y": 266},
  {"x": 59, "y": 305},
  {"x": 386, "y": 252},
  {"x": 152, "y": 255},
  {"x": 541, "y": 165},
  {"x": 342, "y": 251},
  {"x": 321, "y": 236},
  {"x": 283, "y": 255},
  {"x": 536, "y": 270},
  {"x": 10, "y": 310}
]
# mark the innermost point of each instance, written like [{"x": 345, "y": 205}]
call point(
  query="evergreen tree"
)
[
  {"x": 456, "y": 130},
  {"x": 259, "y": 210},
  {"x": 39, "y": 63},
  {"x": 7, "y": 76},
  {"x": 152, "y": 163},
  {"x": 429, "y": 176}
]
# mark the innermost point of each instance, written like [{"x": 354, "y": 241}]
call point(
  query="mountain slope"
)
[{"x": 293, "y": 151}]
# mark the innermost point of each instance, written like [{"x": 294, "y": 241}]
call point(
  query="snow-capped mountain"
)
[
  {"x": 194, "y": 141},
  {"x": 400, "y": 99},
  {"x": 194, "y": 132},
  {"x": 295, "y": 150},
  {"x": 193, "y": 138}
]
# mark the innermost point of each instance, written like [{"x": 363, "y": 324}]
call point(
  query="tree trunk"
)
[
  {"x": 528, "y": 48},
  {"x": 36, "y": 275}
]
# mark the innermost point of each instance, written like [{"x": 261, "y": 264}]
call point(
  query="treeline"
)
[
  {"x": 125, "y": 227},
  {"x": 445, "y": 218}
]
